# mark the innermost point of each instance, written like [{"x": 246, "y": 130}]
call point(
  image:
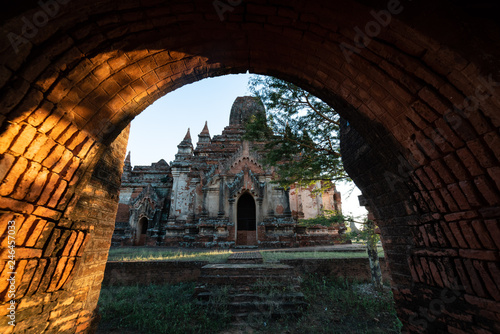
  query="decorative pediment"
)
[
  {"x": 147, "y": 203},
  {"x": 245, "y": 157}
]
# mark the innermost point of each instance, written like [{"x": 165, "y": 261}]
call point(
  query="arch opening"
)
[
  {"x": 246, "y": 223},
  {"x": 68, "y": 93},
  {"x": 142, "y": 229}
]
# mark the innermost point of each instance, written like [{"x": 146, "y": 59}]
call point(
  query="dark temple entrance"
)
[
  {"x": 246, "y": 223},
  {"x": 142, "y": 228}
]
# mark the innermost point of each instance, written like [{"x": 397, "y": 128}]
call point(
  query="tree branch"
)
[
  {"x": 318, "y": 112},
  {"x": 321, "y": 149}
]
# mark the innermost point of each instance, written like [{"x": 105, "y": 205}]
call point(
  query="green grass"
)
[
  {"x": 219, "y": 256},
  {"x": 335, "y": 306},
  {"x": 340, "y": 306},
  {"x": 159, "y": 309},
  {"x": 159, "y": 254}
]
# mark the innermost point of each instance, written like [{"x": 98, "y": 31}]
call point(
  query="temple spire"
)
[
  {"x": 127, "y": 166},
  {"x": 205, "y": 129},
  {"x": 188, "y": 136},
  {"x": 204, "y": 136},
  {"x": 127, "y": 160},
  {"x": 185, "y": 148}
]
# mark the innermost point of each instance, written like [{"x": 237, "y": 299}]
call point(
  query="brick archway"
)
[{"x": 421, "y": 100}]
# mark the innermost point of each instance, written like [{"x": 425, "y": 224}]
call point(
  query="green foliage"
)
[
  {"x": 160, "y": 309},
  {"x": 300, "y": 133},
  {"x": 364, "y": 235},
  {"x": 328, "y": 218}
]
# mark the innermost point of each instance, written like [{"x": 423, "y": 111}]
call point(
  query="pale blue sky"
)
[{"x": 157, "y": 131}]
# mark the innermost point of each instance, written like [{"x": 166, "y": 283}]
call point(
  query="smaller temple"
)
[{"x": 218, "y": 194}]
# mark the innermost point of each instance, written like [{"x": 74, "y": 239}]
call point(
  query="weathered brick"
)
[
  {"x": 57, "y": 194},
  {"x": 50, "y": 122},
  {"x": 29, "y": 271},
  {"x": 16, "y": 172},
  {"x": 52, "y": 181},
  {"x": 22, "y": 188},
  {"x": 476, "y": 283},
  {"x": 458, "y": 196},
  {"x": 67, "y": 274},
  {"x": 449, "y": 235},
  {"x": 47, "y": 213},
  {"x": 66, "y": 156},
  {"x": 44, "y": 235},
  {"x": 15, "y": 206},
  {"x": 23, "y": 228},
  {"x": 487, "y": 191},
  {"x": 37, "y": 186},
  {"x": 8, "y": 136},
  {"x": 53, "y": 156},
  {"x": 492, "y": 289},
  {"x": 58, "y": 271},
  {"x": 41, "y": 151},
  {"x": 483, "y": 234},
  {"x": 457, "y": 233},
  {"x": 24, "y": 138},
  {"x": 469, "y": 161},
  {"x": 493, "y": 228},
  {"x": 485, "y": 255},
  {"x": 6, "y": 162},
  {"x": 68, "y": 133},
  {"x": 34, "y": 232},
  {"x": 469, "y": 236}
]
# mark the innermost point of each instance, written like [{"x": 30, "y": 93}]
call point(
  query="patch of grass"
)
[
  {"x": 339, "y": 306},
  {"x": 276, "y": 256},
  {"x": 160, "y": 309},
  {"x": 335, "y": 306},
  {"x": 159, "y": 254}
]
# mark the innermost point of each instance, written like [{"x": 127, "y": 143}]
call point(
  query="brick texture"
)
[{"x": 419, "y": 96}]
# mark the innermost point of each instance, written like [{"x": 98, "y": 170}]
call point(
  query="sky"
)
[{"x": 156, "y": 132}]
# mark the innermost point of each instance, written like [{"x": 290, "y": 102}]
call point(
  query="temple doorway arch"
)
[
  {"x": 142, "y": 228},
  {"x": 246, "y": 223}
]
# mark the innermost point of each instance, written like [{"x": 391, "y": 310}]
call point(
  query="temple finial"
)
[
  {"x": 188, "y": 136},
  {"x": 127, "y": 159},
  {"x": 205, "y": 129}
]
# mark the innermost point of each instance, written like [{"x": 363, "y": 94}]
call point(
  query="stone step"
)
[
  {"x": 247, "y": 279},
  {"x": 240, "y": 298},
  {"x": 246, "y": 247},
  {"x": 261, "y": 291},
  {"x": 246, "y": 269},
  {"x": 245, "y": 257},
  {"x": 261, "y": 305}
]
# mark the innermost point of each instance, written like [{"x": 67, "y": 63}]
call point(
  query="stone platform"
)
[
  {"x": 245, "y": 257},
  {"x": 255, "y": 290}
]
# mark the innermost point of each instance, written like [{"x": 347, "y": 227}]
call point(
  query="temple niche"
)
[{"x": 218, "y": 194}]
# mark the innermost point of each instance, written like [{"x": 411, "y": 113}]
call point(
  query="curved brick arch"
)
[{"x": 76, "y": 84}]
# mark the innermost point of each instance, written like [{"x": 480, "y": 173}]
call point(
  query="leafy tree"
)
[
  {"x": 300, "y": 138},
  {"x": 300, "y": 133}
]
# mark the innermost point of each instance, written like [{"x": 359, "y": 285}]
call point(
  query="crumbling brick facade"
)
[
  {"x": 418, "y": 81},
  {"x": 202, "y": 198}
]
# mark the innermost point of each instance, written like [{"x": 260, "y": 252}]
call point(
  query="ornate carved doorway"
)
[{"x": 246, "y": 221}]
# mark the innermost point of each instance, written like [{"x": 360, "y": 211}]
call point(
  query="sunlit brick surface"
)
[{"x": 431, "y": 173}]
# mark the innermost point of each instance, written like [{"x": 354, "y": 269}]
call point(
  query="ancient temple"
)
[{"x": 218, "y": 194}]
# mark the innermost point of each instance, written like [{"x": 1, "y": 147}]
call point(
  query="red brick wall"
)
[
  {"x": 72, "y": 85},
  {"x": 354, "y": 269},
  {"x": 170, "y": 272},
  {"x": 152, "y": 272}
]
